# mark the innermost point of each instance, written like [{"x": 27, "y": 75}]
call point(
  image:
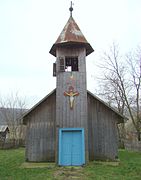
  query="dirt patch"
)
[{"x": 69, "y": 173}]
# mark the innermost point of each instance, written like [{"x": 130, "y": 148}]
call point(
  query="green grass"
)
[
  {"x": 12, "y": 167},
  {"x": 129, "y": 168}
]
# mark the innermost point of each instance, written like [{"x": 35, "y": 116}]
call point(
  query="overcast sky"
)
[{"x": 28, "y": 29}]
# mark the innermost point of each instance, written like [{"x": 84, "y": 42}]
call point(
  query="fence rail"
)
[{"x": 132, "y": 145}]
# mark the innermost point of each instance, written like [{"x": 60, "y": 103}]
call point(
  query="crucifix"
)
[{"x": 71, "y": 95}]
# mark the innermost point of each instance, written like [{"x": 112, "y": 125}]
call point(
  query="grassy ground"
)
[{"x": 12, "y": 167}]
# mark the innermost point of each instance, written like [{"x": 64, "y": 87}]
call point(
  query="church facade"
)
[{"x": 71, "y": 126}]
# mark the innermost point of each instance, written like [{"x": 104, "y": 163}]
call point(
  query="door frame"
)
[{"x": 82, "y": 141}]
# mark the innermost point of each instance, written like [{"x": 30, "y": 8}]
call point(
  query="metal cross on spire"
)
[{"x": 71, "y": 9}]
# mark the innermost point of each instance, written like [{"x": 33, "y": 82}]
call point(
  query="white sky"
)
[{"x": 28, "y": 29}]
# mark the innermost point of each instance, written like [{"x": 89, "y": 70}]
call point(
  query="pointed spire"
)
[
  {"x": 71, "y": 36},
  {"x": 71, "y": 9}
]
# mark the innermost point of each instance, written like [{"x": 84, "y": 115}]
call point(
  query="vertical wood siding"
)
[
  {"x": 40, "y": 138},
  {"x": 76, "y": 117},
  {"x": 102, "y": 131}
]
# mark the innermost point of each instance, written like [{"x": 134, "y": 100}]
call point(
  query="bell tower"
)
[{"x": 70, "y": 50}]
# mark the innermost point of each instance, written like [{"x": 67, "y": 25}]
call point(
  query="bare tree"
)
[
  {"x": 134, "y": 61},
  {"x": 12, "y": 109},
  {"x": 122, "y": 83}
]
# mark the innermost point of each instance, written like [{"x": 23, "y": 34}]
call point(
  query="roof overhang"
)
[
  {"x": 121, "y": 116},
  {"x": 71, "y": 44},
  {"x": 36, "y": 105}
]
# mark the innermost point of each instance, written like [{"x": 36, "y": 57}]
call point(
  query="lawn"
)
[{"x": 12, "y": 167}]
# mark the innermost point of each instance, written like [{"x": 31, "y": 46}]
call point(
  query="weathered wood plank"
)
[
  {"x": 102, "y": 130},
  {"x": 40, "y": 137}
]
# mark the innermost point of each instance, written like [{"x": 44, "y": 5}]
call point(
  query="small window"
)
[
  {"x": 71, "y": 64},
  {"x": 54, "y": 69},
  {"x": 62, "y": 64}
]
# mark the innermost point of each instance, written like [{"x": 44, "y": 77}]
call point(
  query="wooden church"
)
[{"x": 71, "y": 126}]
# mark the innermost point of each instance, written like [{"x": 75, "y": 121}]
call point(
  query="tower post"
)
[{"x": 70, "y": 50}]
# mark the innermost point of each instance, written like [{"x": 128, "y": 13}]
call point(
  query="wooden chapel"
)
[{"x": 71, "y": 126}]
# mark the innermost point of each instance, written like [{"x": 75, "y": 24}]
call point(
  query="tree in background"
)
[
  {"x": 121, "y": 84},
  {"x": 12, "y": 109},
  {"x": 134, "y": 61}
]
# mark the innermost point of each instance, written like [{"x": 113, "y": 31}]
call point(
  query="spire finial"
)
[{"x": 71, "y": 9}]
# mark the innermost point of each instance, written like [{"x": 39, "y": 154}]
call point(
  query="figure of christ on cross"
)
[{"x": 71, "y": 94}]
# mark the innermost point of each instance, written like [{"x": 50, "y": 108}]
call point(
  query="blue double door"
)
[{"x": 71, "y": 147}]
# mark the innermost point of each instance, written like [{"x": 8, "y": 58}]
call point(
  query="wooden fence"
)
[
  {"x": 12, "y": 143},
  {"x": 131, "y": 142},
  {"x": 132, "y": 145}
]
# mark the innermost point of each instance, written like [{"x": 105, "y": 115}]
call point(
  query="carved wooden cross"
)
[{"x": 71, "y": 94}]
